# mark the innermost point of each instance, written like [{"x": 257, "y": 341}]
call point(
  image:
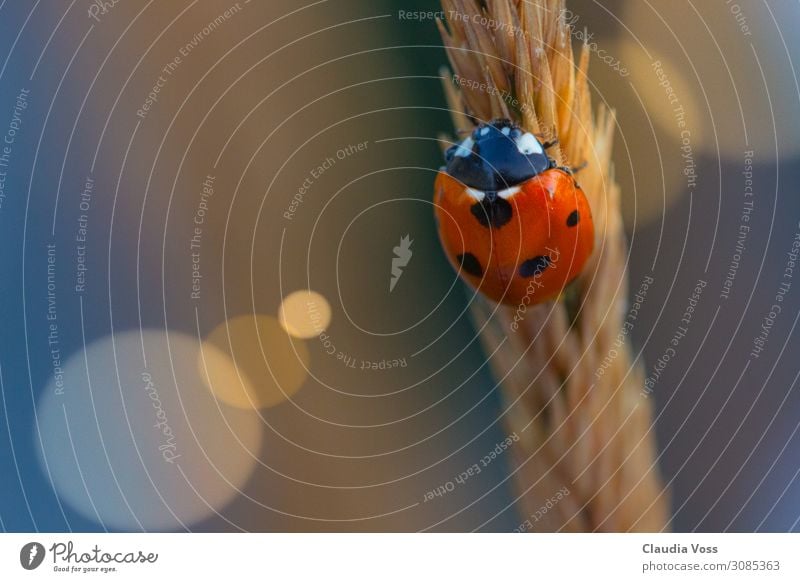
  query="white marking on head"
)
[
  {"x": 484, "y": 131},
  {"x": 478, "y": 195},
  {"x": 465, "y": 148},
  {"x": 506, "y": 131},
  {"x": 528, "y": 145},
  {"x": 508, "y": 192}
]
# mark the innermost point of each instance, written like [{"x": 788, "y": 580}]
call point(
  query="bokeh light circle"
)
[
  {"x": 304, "y": 314},
  {"x": 138, "y": 442},
  {"x": 250, "y": 362}
]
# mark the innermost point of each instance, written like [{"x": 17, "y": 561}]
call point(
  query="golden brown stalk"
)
[{"x": 586, "y": 460}]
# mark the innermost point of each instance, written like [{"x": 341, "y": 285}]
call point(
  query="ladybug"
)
[{"x": 513, "y": 223}]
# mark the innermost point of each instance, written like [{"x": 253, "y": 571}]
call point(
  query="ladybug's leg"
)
[
  {"x": 572, "y": 171},
  {"x": 548, "y": 144},
  {"x": 580, "y": 167}
]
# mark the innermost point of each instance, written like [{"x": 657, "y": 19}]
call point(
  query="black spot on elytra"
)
[
  {"x": 573, "y": 218},
  {"x": 492, "y": 211},
  {"x": 470, "y": 264},
  {"x": 534, "y": 266}
]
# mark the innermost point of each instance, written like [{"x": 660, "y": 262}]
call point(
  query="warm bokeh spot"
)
[
  {"x": 269, "y": 366},
  {"x": 136, "y": 443},
  {"x": 305, "y": 314}
]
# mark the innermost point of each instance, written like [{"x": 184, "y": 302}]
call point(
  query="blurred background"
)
[{"x": 201, "y": 206}]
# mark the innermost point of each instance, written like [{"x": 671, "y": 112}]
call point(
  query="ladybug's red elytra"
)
[{"x": 513, "y": 224}]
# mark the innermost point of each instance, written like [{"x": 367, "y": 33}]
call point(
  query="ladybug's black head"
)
[{"x": 496, "y": 156}]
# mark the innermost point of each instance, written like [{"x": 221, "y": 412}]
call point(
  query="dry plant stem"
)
[{"x": 587, "y": 431}]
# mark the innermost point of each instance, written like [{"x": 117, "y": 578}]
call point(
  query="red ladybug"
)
[{"x": 513, "y": 224}]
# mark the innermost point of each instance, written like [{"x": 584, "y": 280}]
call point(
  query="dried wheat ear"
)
[{"x": 586, "y": 456}]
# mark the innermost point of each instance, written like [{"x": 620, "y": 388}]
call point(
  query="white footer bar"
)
[{"x": 402, "y": 557}]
